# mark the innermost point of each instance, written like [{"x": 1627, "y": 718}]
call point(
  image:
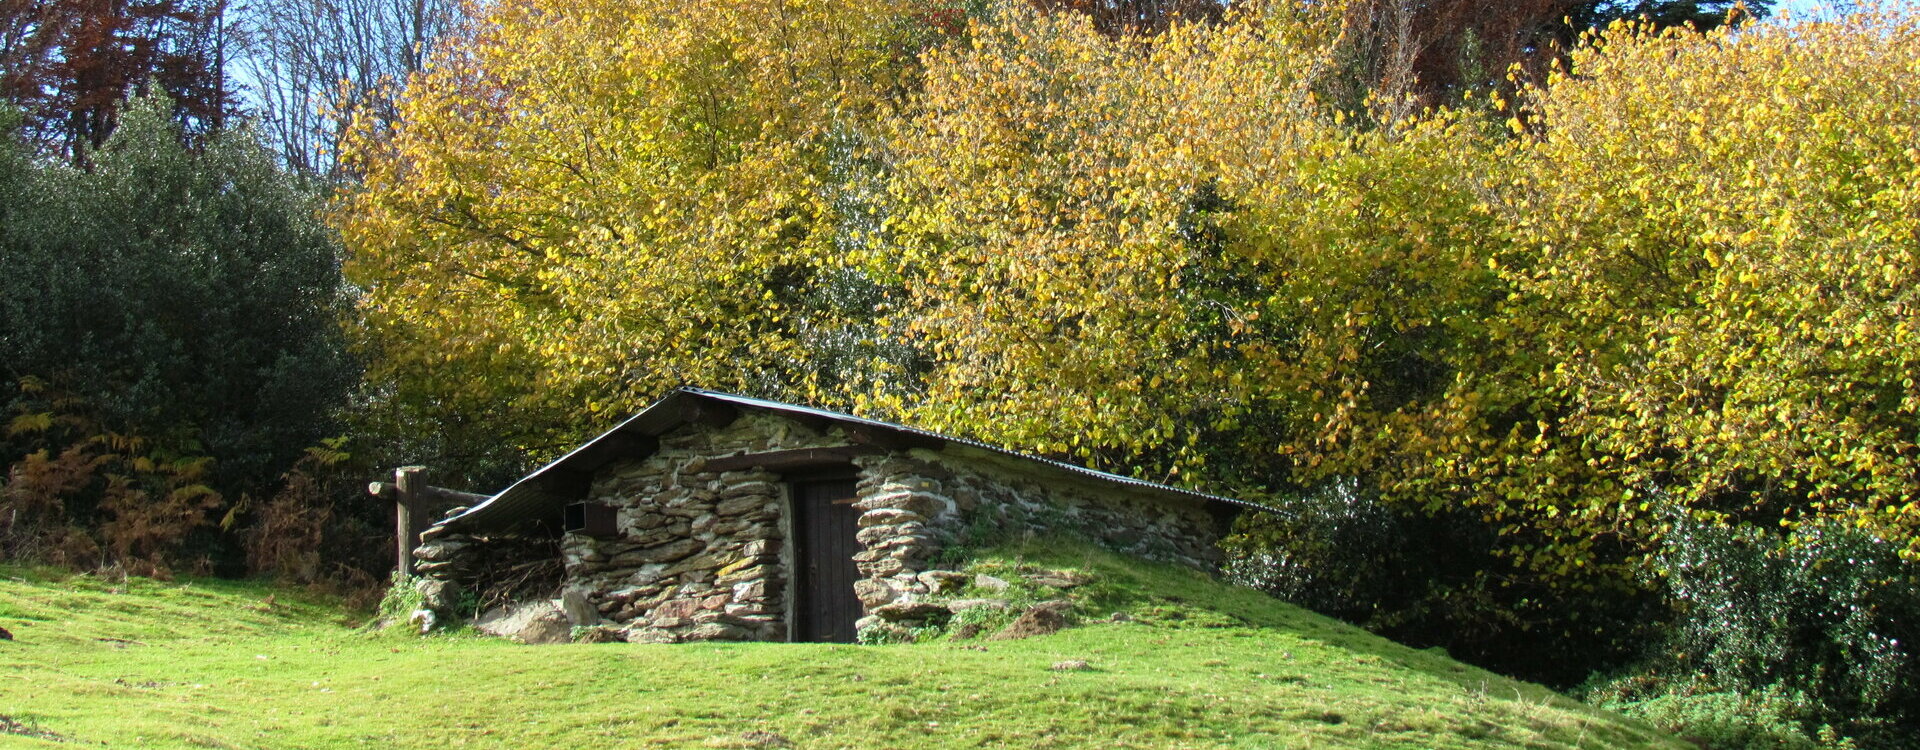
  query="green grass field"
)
[{"x": 139, "y": 663}]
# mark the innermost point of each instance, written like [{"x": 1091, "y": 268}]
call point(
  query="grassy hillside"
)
[{"x": 1190, "y": 663}]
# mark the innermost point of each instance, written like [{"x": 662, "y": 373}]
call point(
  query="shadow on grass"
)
[{"x": 1177, "y": 598}]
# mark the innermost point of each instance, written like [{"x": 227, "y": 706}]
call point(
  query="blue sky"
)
[{"x": 1800, "y": 7}]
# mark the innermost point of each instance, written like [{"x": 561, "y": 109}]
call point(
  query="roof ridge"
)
[{"x": 532, "y": 491}]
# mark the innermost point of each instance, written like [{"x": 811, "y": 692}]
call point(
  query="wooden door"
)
[{"x": 824, "y": 525}]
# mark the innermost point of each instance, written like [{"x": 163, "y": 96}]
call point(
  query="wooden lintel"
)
[{"x": 802, "y": 458}]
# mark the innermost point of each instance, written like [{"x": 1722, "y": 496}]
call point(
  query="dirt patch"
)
[
  {"x": 1040, "y": 619},
  {"x": 10, "y": 725}
]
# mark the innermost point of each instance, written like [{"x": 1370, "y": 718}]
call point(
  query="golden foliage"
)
[
  {"x": 1676, "y": 278},
  {"x": 1718, "y": 237},
  {"x": 1168, "y": 249},
  {"x": 587, "y": 203},
  {"x": 1683, "y": 282}
]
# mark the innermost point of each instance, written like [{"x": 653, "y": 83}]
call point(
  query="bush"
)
[
  {"x": 170, "y": 315},
  {"x": 1770, "y": 719},
  {"x": 1434, "y": 579},
  {"x": 402, "y": 599},
  {"x": 1782, "y": 635},
  {"x": 1334, "y": 549}
]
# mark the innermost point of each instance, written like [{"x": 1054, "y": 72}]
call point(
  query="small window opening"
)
[{"x": 591, "y": 519}]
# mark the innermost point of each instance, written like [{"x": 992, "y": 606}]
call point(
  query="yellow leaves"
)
[
  {"x": 1103, "y": 248},
  {"x": 580, "y": 187},
  {"x": 27, "y": 423}
]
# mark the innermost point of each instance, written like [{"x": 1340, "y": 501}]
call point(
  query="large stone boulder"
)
[{"x": 536, "y": 622}]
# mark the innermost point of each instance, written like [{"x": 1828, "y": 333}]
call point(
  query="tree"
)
[
  {"x": 172, "y": 305},
  {"x": 1115, "y": 17},
  {"x": 582, "y": 206},
  {"x": 71, "y": 63},
  {"x": 1160, "y": 256},
  {"x": 1166, "y": 248},
  {"x": 1416, "y": 53},
  {"x": 314, "y": 66},
  {"x": 1722, "y": 301},
  {"x": 1703, "y": 312},
  {"x": 1166, "y": 257}
]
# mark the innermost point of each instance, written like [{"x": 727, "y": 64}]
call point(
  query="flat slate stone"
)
[{"x": 909, "y": 610}]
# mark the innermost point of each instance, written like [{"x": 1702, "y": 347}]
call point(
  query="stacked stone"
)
[
  {"x": 698, "y": 556},
  {"x": 443, "y": 568},
  {"x": 442, "y": 558},
  {"x": 447, "y": 564},
  {"x": 1139, "y": 523},
  {"x": 697, "y": 559},
  {"x": 905, "y": 520}
]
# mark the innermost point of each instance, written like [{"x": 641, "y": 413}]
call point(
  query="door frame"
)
[{"x": 790, "y": 547}]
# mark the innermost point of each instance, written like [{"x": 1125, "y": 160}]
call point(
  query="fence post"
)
[{"x": 409, "y": 484}]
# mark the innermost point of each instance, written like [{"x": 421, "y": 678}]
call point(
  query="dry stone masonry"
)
[{"x": 699, "y": 554}]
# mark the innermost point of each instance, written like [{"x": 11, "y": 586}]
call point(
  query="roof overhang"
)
[{"x": 542, "y": 494}]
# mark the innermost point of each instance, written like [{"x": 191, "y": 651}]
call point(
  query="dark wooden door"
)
[{"x": 824, "y": 525}]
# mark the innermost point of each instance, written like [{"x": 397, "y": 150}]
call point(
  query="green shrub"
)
[
  {"x": 1769, "y": 719},
  {"x": 1782, "y": 636},
  {"x": 1335, "y": 549},
  {"x": 171, "y": 339},
  {"x": 1434, "y": 578}
]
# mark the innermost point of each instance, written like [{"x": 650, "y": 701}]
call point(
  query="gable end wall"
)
[{"x": 701, "y": 555}]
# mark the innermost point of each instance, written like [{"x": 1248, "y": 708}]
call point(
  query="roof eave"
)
[{"x": 638, "y": 437}]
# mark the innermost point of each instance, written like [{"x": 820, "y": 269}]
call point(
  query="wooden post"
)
[
  {"x": 409, "y": 484},
  {"x": 411, "y": 496}
]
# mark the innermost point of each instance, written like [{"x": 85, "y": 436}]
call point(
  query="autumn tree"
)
[
  {"x": 1705, "y": 313},
  {"x": 1418, "y": 53},
  {"x": 1162, "y": 257},
  {"x": 1717, "y": 279},
  {"x": 1115, "y": 249},
  {"x": 71, "y": 63},
  {"x": 582, "y": 206},
  {"x": 1165, "y": 256}
]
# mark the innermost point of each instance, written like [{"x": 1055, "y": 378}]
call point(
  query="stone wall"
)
[
  {"x": 917, "y": 504},
  {"x": 702, "y": 555},
  {"x": 1003, "y": 497},
  {"x": 485, "y": 569}
]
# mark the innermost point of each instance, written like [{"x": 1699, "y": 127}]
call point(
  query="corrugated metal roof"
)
[{"x": 542, "y": 493}]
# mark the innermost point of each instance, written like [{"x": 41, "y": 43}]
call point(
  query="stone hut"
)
[{"x": 711, "y": 516}]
